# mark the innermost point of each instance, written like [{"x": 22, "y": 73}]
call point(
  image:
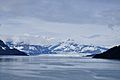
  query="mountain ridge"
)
[{"x": 68, "y": 46}]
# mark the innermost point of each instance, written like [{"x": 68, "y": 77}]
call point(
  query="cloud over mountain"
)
[{"x": 77, "y": 19}]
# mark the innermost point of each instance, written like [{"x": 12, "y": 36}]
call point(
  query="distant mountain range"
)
[
  {"x": 68, "y": 46},
  {"x": 5, "y": 50},
  {"x": 113, "y": 53}
]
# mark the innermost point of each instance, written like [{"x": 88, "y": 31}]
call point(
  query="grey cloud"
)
[
  {"x": 90, "y": 18},
  {"x": 92, "y": 36},
  {"x": 65, "y": 11}
]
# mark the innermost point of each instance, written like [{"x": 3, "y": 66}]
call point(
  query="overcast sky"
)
[{"x": 86, "y": 21}]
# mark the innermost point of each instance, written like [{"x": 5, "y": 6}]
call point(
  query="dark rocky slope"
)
[
  {"x": 113, "y": 53},
  {"x": 5, "y": 50}
]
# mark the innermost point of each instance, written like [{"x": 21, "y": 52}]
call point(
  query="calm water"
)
[{"x": 58, "y": 68}]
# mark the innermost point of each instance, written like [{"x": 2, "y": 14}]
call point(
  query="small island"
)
[{"x": 113, "y": 53}]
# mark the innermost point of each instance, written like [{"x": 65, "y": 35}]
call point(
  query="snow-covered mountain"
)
[
  {"x": 68, "y": 46},
  {"x": 72, "y": 46},
  {"x": 28, "y": 48}
]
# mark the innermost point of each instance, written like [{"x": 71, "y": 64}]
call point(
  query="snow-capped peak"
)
[
  {"x": 66, "y": 46},
  {"x": 71, "y": 46}
]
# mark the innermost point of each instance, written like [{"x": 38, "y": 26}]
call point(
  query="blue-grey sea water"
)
[{"x": 58, "y": 68}]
